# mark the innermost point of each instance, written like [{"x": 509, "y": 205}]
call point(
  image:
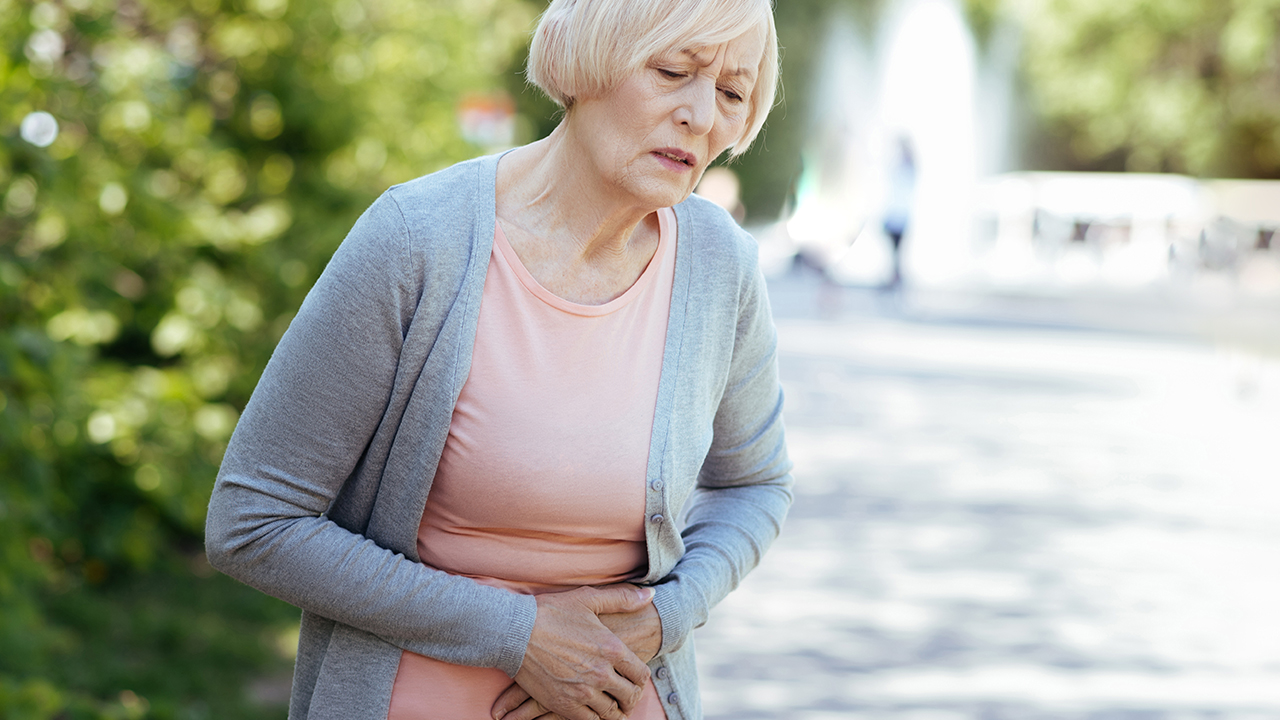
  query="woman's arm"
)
[
  {"x": 307, "y": 429},
  {"x": 744, "y": 486}
]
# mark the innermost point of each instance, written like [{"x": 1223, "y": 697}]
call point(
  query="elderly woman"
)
[{"x": 466, "y": 458}]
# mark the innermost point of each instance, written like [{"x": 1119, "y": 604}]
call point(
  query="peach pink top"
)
[{"x": 541, "y": 485}]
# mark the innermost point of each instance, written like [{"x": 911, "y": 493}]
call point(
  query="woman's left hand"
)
[
  {"x": 522, "y": 706},
  {"x": 640, "y": 631}
]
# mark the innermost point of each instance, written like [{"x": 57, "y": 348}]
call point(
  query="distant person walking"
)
[{"x": 898, "y": 205}]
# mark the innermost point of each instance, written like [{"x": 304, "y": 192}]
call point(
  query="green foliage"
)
[
  {"x": 1155, "y": 85},
  {"x": 210, "y": 156}
]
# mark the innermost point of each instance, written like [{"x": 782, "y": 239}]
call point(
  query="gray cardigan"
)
[{"x": 323, "y": 484}]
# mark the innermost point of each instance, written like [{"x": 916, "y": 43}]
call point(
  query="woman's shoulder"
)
[
  {"x": 422, "y": 233},
  {"x": 464, "y": 185},
  {"x": 715, "y": 233},
  {"x": 434, "y": 222}
]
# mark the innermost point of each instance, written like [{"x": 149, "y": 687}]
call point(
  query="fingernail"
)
[{"x": 646, "y": 593}]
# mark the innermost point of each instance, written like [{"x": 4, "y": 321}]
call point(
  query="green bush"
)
[{"x": 210, "y": 155}]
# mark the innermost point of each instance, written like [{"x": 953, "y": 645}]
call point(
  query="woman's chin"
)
[{"x": 665, "y": 194}]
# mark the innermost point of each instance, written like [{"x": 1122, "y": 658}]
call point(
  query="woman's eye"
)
[
  {"x": 673, "y": 74},
  {"x": 731, "y": 94}
]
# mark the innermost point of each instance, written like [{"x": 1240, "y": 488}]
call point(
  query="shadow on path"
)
[{"x": 1011, "y": 520}]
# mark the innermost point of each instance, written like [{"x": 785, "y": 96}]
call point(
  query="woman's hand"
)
[
  {"x": 574, "y": 666},
  {"x": 639, "y": 630},
  {"x": 522, "y": 707}
]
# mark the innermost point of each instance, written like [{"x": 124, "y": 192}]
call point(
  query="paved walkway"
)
[{"x": 1007, "y": 519}]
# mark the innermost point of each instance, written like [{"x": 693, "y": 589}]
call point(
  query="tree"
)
[
  {"x": 1187, "y": 86},
  {"x": 173, "y": 176}
]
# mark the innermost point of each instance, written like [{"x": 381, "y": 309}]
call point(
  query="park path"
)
[{"x": 1004, "y": 520}]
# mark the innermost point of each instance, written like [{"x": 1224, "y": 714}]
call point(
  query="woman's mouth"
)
[{"x": 676, "y": 157}]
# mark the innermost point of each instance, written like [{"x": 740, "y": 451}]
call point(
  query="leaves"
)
[
  {"x": 1174, "y": 85},
  {"x": 194, "y": 168}
]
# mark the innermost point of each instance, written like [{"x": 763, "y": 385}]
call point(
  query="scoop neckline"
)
[{"x": 666, "y": 216}]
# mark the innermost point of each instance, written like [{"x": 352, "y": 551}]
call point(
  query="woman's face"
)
[{"x": 651, "y": 137}]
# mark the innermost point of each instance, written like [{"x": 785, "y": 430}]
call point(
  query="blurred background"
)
[{"x": 1021, "y": 257}]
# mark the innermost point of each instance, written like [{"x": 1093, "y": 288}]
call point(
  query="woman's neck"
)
[
  {"x": 575, "y": 237},
  {"x": 549, "y": 190}
]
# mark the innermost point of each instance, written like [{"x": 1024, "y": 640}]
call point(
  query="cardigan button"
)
[
  {"x": 661, "y": 673},
  {"x": 655, "y": 518},
  {"x": 656, "y": 485},
  {"x": 673, "y": 698}
]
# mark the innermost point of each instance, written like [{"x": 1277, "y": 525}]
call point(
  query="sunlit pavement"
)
[{"x": 1001, "y": 518}]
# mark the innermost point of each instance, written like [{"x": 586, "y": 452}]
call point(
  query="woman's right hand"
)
[{"x": 574, "y": 666}]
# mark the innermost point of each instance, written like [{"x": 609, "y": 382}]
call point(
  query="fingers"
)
[
  {"x": 630, "y": 668},
  {"x": 528, "y": 710},
  {"x": 573, "y": 665},
  {"x": 612, "y": 711},
  {"x": 621, "y": 695},
  {"x": 622, "y": 598},
  {"x": 512, "y": 699},
  {"x": 606, "y": 709}
]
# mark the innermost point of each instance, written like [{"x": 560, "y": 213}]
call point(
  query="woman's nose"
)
[{"x": 697, "y": 110}]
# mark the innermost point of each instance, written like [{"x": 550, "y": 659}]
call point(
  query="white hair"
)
[{"x": 586, "y": 47}]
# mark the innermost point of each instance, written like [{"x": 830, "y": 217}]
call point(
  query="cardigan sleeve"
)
[
  {"x": 305, "y": 431},
  {"x": 744, "y": 487}
]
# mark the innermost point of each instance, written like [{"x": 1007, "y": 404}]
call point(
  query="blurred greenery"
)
[
  {"x": 1190, "y": 86},
  {"x": 210, "y": 155}
]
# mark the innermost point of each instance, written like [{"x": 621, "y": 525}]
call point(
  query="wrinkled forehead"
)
[{"x": 740, "y": 57}]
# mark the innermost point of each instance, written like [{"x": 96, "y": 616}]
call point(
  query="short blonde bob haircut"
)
[{"x": 584, "y": 47}]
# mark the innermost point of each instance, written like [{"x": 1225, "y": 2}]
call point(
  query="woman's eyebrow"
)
[{"x": 746, "y": 70}]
